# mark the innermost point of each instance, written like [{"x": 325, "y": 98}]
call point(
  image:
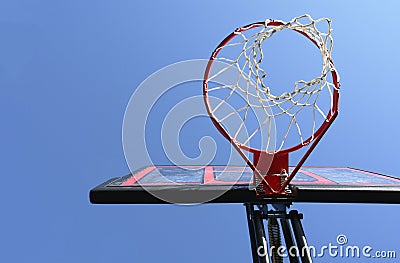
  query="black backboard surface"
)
[{"x": 190, "y": 184}]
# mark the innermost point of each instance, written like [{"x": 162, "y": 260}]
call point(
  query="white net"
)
[{"x": 252, "y": 99}]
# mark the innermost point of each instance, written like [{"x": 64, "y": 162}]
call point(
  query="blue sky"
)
[{"x": 67, "y": 71}]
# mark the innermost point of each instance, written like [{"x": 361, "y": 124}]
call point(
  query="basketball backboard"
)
[{"x": 191, "y": 184}]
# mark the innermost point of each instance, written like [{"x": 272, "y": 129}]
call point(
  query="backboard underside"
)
[{"x": 233, "y": 184}]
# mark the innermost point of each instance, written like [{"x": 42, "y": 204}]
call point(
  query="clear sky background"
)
[{"x": 67, "y": 70}]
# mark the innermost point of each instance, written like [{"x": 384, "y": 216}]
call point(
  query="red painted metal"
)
[{"x": 268, "y": 167}]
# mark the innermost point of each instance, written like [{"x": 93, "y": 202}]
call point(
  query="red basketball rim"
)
[{"x": 319, "y": 132}]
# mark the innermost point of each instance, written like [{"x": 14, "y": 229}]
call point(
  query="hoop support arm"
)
[{"x": 309, "y": 150}]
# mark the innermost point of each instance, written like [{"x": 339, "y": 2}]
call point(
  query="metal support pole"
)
[
  {"x": 250, "y": 224},
  {"x": 259, "y": 247},
  {"x": 287, "y": 233},
  {"x": 263, "y": 256},
  {"x": 301, "y": 240}
]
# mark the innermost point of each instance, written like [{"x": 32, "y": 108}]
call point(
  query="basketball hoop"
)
[{"x": 270, "y": 165}]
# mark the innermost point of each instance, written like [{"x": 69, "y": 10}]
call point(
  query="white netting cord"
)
[{"x": 258, "y": 96}]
